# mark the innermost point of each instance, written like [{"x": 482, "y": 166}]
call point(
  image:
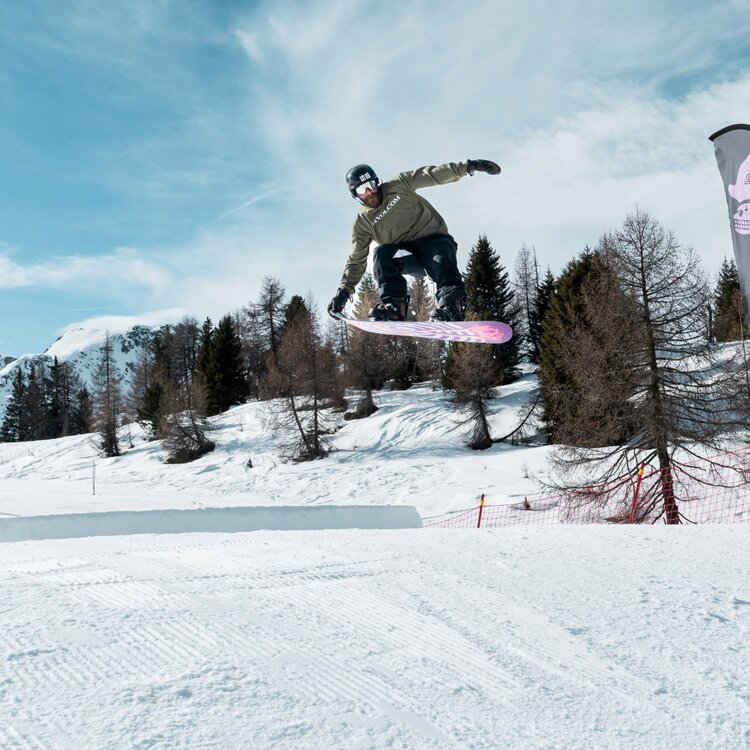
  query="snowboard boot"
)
[
  {"x": 451, "y": 307},
  {"x": 390, "y": 308}
]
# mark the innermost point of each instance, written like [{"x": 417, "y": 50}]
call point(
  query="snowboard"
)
[{"x": 468, "y": 331}]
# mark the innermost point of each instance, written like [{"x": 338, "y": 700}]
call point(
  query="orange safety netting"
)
[{"x": 714, "y": 489}]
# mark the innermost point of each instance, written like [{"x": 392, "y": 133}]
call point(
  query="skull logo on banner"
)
[
  {"x": 742, "y": 219},
  {"x": 740, "y": 191}
]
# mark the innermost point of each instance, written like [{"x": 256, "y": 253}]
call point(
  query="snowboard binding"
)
[
  {"x": 390, "y": 308},
  {"x": 451, "y": 307}
]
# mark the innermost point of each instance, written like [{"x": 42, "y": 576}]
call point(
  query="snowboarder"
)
[{"x": 396, "y": 217}]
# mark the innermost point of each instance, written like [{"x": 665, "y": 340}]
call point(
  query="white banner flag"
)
[{"x": 732, "y": 147}]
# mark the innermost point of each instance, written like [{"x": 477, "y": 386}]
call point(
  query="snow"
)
[
  {"x": 117, "y": 523},
  {"x": 410, "y": 452},
  {"x": 525, "y": 637},
  {"x": 98, "y": 325},
  {"x": 565, "y": 637},
  {"x": 77, "y": 340}
]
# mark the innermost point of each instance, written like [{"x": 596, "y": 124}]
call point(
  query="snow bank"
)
[{"x": 222, "y": 520}]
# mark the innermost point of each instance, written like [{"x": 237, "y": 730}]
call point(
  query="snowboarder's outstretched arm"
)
[{"x": 444, "y": 174}]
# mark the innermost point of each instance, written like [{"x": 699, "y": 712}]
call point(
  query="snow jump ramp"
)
[{"x": 211, "y": 520}]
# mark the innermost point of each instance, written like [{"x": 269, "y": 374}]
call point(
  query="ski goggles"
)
[{"x": 366, "y": 186}]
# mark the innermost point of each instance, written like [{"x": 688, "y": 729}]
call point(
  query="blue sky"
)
[{"x": 160, "y": 157}]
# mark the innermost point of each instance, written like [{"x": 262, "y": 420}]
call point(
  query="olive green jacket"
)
[{"x": 403, "y": 215}]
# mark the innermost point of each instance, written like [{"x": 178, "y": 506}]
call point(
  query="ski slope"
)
[
  {"x": 567, "y": 637},
  {"x": 524, "y": 637},
  {"x": 412, "y": 451}
]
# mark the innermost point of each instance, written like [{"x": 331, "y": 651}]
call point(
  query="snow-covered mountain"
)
[{"x": 81, "y": 348}]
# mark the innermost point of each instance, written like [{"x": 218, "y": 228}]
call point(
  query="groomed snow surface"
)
[
  {"x": 567, "y": 637},
  {"x": 524, "y": 637}
]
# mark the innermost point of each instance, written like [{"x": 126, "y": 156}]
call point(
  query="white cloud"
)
[
  {"x": 582, "y": 109},
  {"x": 250, "y": 43},
  {"x": 122, "y": 323},
  {"x": 584, "y": 174},
  {"x": 250, "y": 202},
  {"x": 121, "y": 268}
]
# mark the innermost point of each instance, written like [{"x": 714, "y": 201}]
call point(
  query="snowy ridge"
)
[{"x": 80, "y": 348}]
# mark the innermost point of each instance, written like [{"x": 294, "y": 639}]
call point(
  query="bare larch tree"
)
[
  {"x": 107, "y": 399},
  {"x": 650, "y": 389},
  {"x": 303, "y": 384}
]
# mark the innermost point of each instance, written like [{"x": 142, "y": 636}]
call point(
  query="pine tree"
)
[
  {"x": 150, "y": 411},
  {"x": 60, "y": 383},
  {"x": 204, "y": 349},
  {"x": 565, "y": 314},
  {"x": 185, "y": 347},
  {"x": 11, "y": 430},
  {"x": 203, "y": 367},
  {"x": 70, "y": 387},
  {"x": 142, "y": 369},
  {"x": 253, "y": 348},
  {"x": 296, "y": 306},
  {"x": 161, "y": 368},
  {"x": 474, "y": 372},
  {"x": 270, "y": 307},
  {"x": 490, "y": 297},
  {"x": 526, "y": 286},
  {"x": 542, "y": 301},
  {"x": 33, "y": 416},
  {"x": 593, "y": 406},
  {"x": 153, "y": 371},
  {"x": 53, "y": 399},
  {"x": 175, "y": 403},
  {"x": 729, "y": 322},
  {"x": 83, "y": 413},
  {"x": 225, "y": 380}
]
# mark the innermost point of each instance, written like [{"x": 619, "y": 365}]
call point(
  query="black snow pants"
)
[{"x": 434, "y": 255}]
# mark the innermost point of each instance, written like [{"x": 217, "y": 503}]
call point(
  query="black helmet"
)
[{"x": 358, "y": 175}]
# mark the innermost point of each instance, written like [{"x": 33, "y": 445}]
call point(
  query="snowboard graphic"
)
[{"x": 469, "y": 331}]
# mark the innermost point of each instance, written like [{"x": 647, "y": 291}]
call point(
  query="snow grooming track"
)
[{"x": 562, "y": 637}]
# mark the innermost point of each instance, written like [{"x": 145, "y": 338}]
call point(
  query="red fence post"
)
[
  {"x": 635, "y": 494},
  {"x": 481, "y": 507}
]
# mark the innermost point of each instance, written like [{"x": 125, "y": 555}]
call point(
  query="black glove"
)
[
  {"x": 482, "y": 165},
  {"x": 338, "y": 303}
]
